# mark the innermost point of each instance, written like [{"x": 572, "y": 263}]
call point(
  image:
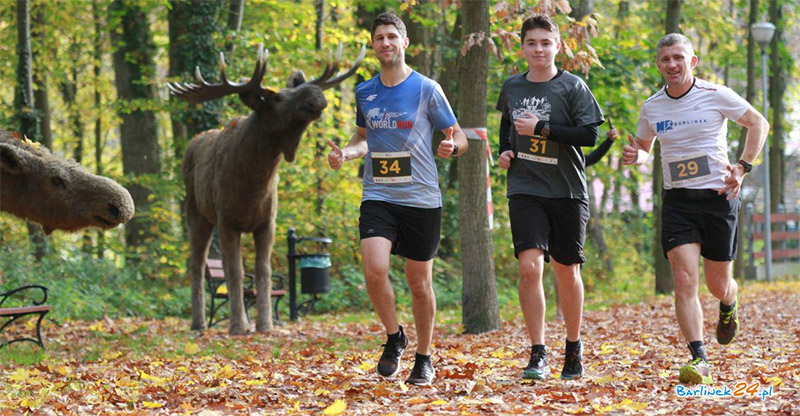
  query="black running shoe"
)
[
  {"x": 573, "y": 368},
  {"x": 422, "y": 373},
  {"x": 728, "y": 325},
  {"x": 389, "y": 363},
  {"x": 537, "y": 368}
]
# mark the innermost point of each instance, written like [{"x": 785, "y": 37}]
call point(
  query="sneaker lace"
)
[
  {"x": 391, "y": 349},
  {"x": 536, "y": 358},
  {"x": 726, "y": 316}
]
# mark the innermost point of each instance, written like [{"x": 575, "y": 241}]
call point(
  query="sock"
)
[
  {"x": 535, "y": 348},
  {"x": 396, "y": 336},
  {"x": 420, "y": 357},
  {"x": 697, "y": 349},
  {"x": 573, "y": 345},
  {"x": 726, "y": 308}
]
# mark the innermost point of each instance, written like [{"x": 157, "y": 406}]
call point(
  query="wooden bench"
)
[
  {"x": 215, "y": 283},
  {"x": 9, "y": 315},
  {"x": 785, "y": 238}
]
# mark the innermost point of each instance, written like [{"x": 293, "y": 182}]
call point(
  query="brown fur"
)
[
  {"x": 231, "y": 178},
  {"x": 56, "y": 193}
]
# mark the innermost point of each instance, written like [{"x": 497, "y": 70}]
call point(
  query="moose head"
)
[{"x": 289, "y": 109}]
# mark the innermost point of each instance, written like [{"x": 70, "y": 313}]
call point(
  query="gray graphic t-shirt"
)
[{"x": 543, "y": 167}]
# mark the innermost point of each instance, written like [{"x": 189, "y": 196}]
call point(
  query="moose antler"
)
[
  {"x": 198, "y": 93},
  {"x": 325, "y": 81}
]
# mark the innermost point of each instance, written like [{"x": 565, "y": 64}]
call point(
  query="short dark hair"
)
[
  {"x": 388, "y": 19},
  {"x": 538, "y": 21},
  {"x": 675, "y": 39}
]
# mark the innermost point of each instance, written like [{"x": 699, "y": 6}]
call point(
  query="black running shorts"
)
[
  {"x": 700, "y": 216},
  {"x": 414, "y": 232},
  {"x": 555, "y": 225}
]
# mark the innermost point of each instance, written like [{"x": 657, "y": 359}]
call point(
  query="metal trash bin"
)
[{"x": 315, "y": 275}]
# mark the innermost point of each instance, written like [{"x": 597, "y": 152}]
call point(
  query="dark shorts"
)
[
  {"x": 700, "y": 216},
  {"x": 555, "y": 225},
  {"x": 414, "y": 232}
]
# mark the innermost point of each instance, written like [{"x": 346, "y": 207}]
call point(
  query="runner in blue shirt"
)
[{"x": 401, "y": 208}]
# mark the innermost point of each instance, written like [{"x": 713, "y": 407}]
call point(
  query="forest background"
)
[{"x": 99, "y": 75}]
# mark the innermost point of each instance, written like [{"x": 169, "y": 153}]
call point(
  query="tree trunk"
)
[
  {"x": 134, "y": 69},
  {"x": 583, "y": 9},
  {"x": 479, "y": 296},
  {"x": 750, "y": 96},
  {"x": 780, "y": 64},
  {"x": 664, "y": 283},
  {"x": 40, "y": 91},
  {"x": 98, "y": 108},
  {"x": 27, "y": 117},
  {"x": 192, "y": 26}
]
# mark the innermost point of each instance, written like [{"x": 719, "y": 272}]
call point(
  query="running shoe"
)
[
  {"x": 696, "y": 372},
  {"x": 537, "y": 368},
  {"x": 389, "y": 363},
  {"x": 573, "y": 367},
  {"x": 422, "y": 373},
  {"x": 728, "y": 325}
]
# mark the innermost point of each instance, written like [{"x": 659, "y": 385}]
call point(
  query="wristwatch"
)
[
  {"x": 455, "y": 150},
  {"x": 545, "y": 130},
  {"x": 747, "y": 166}
]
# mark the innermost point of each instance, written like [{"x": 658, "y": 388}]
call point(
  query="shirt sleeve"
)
[
  {"x": 439, "y": 109},
  {"x": 643, "y": 130},
  {"x": 731, "y": 105}
]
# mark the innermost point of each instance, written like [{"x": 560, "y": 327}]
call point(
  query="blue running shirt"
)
[{"x": 400, "y": 120}]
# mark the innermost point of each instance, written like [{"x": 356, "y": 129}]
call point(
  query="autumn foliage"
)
[{"x": 325, "y": 366}]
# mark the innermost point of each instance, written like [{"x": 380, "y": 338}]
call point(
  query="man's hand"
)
[
  {"x": 611, "y": 134},
  {"x": 505, "y": 159},
  {"x": 733, "y": 182},
  {"x": 447, "y": 145},
  {"x": 526, "y": 125},
  {"x": 630, "y": 153},
  {"x": 335, "y": 156}
]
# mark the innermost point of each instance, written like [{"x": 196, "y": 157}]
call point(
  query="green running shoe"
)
[{"x": 696, "y": 372}]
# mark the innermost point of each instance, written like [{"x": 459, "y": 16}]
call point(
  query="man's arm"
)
[
  {"x": 637, "y": 151},
  {"x": 356, "y": 148},
  {"x": 454, "y": 143},
  {"x": 757, "y": 130}
]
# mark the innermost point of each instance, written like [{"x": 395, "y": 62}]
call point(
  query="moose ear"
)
[
  {"x": 12, "y": 161},
  {"x": 296, "y": 78}
]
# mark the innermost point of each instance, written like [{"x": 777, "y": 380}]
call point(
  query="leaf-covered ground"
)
[{"x": 326, "y": 366}]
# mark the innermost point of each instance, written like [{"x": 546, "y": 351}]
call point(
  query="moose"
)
[
  {"x": 56, "y": 193},
  {"x": 231, "y": 177}
]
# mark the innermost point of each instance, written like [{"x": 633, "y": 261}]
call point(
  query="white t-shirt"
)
[{"x": 692, "y": 129}]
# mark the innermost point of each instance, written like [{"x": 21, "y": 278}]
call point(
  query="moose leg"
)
[
  {"x": 264, "y": 238},
  {"x": 232, "y": 263},
  {"x": 199, "y": 239}
]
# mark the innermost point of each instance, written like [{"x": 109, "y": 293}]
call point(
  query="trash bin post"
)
[{"x": 291, "y": 241}]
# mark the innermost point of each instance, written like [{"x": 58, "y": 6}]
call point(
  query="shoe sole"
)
[
  {"x": 689, "y": 375},
  {"x": 535, "y": 375},
  {"x": 571, "y": 377}
]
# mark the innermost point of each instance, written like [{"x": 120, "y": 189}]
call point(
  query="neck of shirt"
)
[{"x": 391, "y": 77}]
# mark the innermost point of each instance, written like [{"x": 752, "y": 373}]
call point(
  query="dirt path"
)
[{"x": 326, "y": 367}]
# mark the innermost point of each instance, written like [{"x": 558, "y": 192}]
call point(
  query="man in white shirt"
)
[{"x": 701, "y": 189}]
